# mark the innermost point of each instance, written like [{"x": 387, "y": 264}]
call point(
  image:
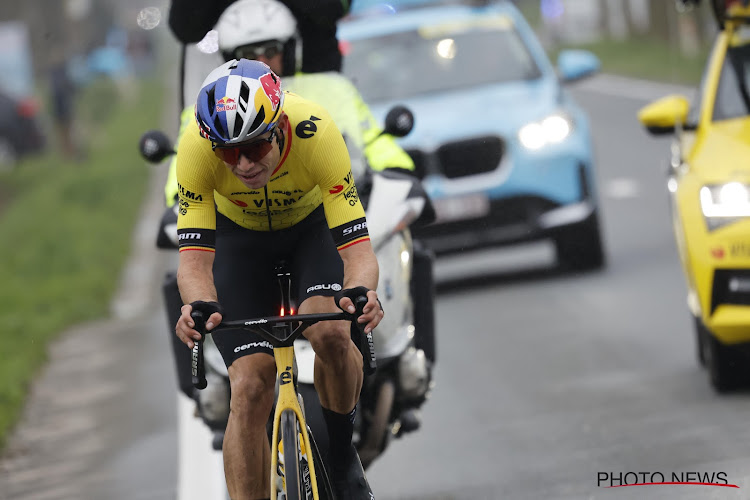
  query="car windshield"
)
[
  {"x": 438, "y": 58},
  {"x": 733, "y": 94}
]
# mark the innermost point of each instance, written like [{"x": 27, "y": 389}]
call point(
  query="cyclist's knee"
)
[
  {"x": 252, "y": 380},
  {"x": 330, "y": 339}
]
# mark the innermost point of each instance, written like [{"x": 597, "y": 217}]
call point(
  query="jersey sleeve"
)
[
  {"x": 344, "y": 212},
  {"x": 196, "y": 218}
]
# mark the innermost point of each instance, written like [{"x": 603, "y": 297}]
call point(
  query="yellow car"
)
[{"x": 709, "y": 185}]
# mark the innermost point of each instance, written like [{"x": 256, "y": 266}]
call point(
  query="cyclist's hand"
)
[
  {"x": 372, "y": 312},
  {"x": 185, "y": 325}
]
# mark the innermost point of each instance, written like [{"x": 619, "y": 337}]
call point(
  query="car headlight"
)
[
  {"x": 553, "y": 129},
  {"x": 725, "y": 203}
]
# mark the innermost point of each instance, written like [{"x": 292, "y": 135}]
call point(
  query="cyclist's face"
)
[{"x": 256, "y": 173}]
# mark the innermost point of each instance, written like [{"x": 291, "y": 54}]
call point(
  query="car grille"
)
[
  {"x": 461, "y": 158},
  {"x": 731, "y": 286}
]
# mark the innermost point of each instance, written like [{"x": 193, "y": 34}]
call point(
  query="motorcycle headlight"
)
[
  {"x": 553, "y": 129},
  {"x": 725, "y": 203}
]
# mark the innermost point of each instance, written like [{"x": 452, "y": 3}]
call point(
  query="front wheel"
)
[
  {"x": 725, "y": 369},
  {"x": 289, "y": 459},
  {"x": 580, "y": 247}
]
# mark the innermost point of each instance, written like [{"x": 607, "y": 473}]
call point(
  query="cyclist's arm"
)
[
  {"x": 361, "y": 269},
  {"x": 346, "y": 217},
  {"x": 360, "y": 266},
  {"x": 196, "y": 229},
  {"x": 195, "y": 277},
  {"x": 196, "y": 282}
]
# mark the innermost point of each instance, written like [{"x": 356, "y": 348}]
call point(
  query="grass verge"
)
[{"x": 66, "y": 235}]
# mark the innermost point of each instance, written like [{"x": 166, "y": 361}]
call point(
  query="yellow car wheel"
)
[
  {"x": 724, "y": 364},
  {"x": 580, "y": 247}
]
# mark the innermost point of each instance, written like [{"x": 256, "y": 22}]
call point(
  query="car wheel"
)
[
  {"x": 580, "y": 247},
  {"x": 8, "y": 155},
  {"x": 725, "y": 370}
]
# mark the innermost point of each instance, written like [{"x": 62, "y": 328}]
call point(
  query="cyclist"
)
[{"x": 265, "y": 174}]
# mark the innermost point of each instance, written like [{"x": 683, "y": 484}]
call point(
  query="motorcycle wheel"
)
[{"x": 373, "y": 442}]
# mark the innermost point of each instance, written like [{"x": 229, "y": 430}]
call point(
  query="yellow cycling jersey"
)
[{"x": 314, "y": 168}]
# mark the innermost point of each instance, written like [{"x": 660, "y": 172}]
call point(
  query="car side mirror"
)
[
  {"x": 665, "y": 115},
  {"x": 154, "y": 146},
  {"x": 575, "y": 65}
]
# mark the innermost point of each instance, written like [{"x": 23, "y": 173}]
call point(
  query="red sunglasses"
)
[{"x": 253, "y": 151}]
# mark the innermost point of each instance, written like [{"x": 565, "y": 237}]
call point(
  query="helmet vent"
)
[
  {"x": 238, "y": 121},
  {"x": 210, "y": 97},
  {"x": 258, "y": 119},
  {"x": 244, "y": 95}
]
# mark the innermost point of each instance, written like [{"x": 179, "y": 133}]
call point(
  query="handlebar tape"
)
[
  {"x": 197, "y": 366},
  {"x": 369, "y": 362}
]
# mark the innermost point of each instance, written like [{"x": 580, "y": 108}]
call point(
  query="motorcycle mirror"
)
[
  {"x": 399, "y": 121},
  {"x": 155, "y": 146}
]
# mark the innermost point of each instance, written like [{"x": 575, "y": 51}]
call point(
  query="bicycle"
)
[{"x": 300, "y": 477}]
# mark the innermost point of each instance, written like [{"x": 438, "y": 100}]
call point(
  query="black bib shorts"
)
[{"x": 246, "y": 282}]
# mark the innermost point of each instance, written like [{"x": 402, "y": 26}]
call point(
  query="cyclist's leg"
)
[
  {"x": 338, "y": 362},
  {"x": 247, "y": 457},
  {"x": 244, "y": 278},
  {"x": 338, "y": 365}
]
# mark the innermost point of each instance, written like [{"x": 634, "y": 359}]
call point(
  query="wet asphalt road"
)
[{"x": 545, "y": 380}]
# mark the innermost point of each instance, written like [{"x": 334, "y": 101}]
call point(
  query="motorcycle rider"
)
[
  {"x": 190, "y": 20},
  {"x": 266, "y": 30}
]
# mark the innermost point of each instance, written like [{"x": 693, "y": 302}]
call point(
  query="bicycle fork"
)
[{"x": 287, "y": 401}]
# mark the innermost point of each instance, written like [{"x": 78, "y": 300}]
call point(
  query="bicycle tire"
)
[{"x": 292, "y": 484}]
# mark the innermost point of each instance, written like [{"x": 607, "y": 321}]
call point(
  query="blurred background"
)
[{"x": 544, "y": 379}]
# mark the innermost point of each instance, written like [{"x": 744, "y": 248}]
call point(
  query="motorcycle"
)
[{"x": 404, "y": 341}]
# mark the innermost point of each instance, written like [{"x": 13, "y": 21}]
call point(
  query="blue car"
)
[{"x": 502, "y": 149}]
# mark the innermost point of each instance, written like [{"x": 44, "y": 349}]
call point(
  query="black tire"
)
[
  {"x": 725, "y": 370},
  {"x": 423, "y": 295},
  {"x": 293, "y": 485},
  {"x": 580, "y": 247},
  {"x": 700, "y": 332}
]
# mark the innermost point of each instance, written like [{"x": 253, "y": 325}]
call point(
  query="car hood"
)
[
  {"x": 497, "y": 109},
  {"x": 719, "y": 151}
]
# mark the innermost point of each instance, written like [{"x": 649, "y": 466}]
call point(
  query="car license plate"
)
[{"x": 461, "y": 207}]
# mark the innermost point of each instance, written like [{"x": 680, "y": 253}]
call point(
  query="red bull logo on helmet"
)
[
  {"x": 226, "y": 104},
  {"x": 272, "y": 88}
]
